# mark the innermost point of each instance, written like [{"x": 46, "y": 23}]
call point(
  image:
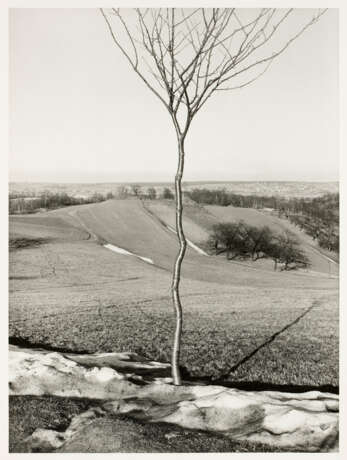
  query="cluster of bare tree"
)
[
  {"x": 240, "y": 240},
  {"x": 325, "y": 232},
  {"x": 318, "y": 217},
  {"x": 324, "y": 207},
  {"x": 26, "y": 203},
  {"x": 150, "y": 193},
  {"x": 48, "y": 200},
  {"x": 222, "y": 197}
]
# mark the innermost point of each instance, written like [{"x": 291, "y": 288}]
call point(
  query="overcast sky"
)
[{"x": 79, "y": 114}]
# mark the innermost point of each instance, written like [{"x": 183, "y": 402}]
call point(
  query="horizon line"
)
[{"x": 199, "y": 181}]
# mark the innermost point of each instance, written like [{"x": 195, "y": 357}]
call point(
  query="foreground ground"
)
[
  {"x": 244, "y": 325},
  {"x": 114, "y": 433}
]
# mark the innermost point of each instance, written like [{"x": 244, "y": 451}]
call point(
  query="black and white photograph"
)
[{"x": 173, "y": 228}]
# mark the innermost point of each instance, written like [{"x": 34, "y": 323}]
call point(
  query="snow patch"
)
[
  {"x": 124, "y": 252},
  {"x": 190, "y": 243},
  {"x": 306, "y": 421},
  {"x": 104, "y": 374}
]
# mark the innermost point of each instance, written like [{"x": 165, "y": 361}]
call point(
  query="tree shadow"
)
[
  {"x": 226, "y": 381},
  {"x": 267, "y": 342}
]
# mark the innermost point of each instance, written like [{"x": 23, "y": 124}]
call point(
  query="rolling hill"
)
[
  {"x": 73, "y": 293},
  {"x": 320, "y": 262},
  {"x": 199, "y": 221}
]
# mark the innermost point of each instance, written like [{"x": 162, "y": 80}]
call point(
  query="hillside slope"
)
[
  {"x": 72, "y": 293},
  {"x": 199, "y": 220},
  {"x": 319, "y": 261},
  {"x": 128, "y": 224}
]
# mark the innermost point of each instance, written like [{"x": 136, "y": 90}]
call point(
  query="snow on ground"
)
[{"x": 119, "y": 250}]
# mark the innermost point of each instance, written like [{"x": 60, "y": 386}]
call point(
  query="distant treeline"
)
[
  {"x": 47, "y": 200},
  {"x": 240, "y": 240},
  {"x": 150, "y": 193},
  {"x": 318, "y": 217},
  {"x": 324, "y": 207},
  {"x": 26, "y": 203}
]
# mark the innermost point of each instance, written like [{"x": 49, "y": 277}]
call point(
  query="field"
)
[
  {"x": 199, "y": 220},
  {"x": 241, "y": 323},
  {"x": 321, "y": 261},
  {"x": 245, "y": 327}
]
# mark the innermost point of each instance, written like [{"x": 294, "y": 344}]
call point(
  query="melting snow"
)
[
  {"x": 192, "y": 245},
  {"x": 114, "y": 248}
]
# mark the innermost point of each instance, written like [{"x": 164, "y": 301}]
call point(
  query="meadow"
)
[
  {"x": 241, "y": 323},
  {"x": 199, "y": 222},
  {"x": 245, "y": 326}
]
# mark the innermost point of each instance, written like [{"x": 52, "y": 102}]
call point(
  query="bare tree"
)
[
  {"x": 135, "y": 189},
  {"x": 151, "y": 193},
  {"x": 184, "y": 56},
  {"x": 122, "y": 192}
]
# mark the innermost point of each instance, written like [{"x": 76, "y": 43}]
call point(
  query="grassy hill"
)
[
  {"x": 249, "y": 324},
  {"x": 199, "y": 220},
  {"x": 320, "y": 262}
]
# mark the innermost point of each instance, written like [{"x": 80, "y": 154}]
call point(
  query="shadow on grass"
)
[
  {"x": 256, "y": 385},
  {"x": 265, "y": 386},
  {"x": 225, "y": 379},
  {"x": 24, "y": 343},
  {"x": 267, "y": 342}
]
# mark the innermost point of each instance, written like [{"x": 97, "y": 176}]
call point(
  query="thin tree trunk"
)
[{"x": 176, "y": 376}]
